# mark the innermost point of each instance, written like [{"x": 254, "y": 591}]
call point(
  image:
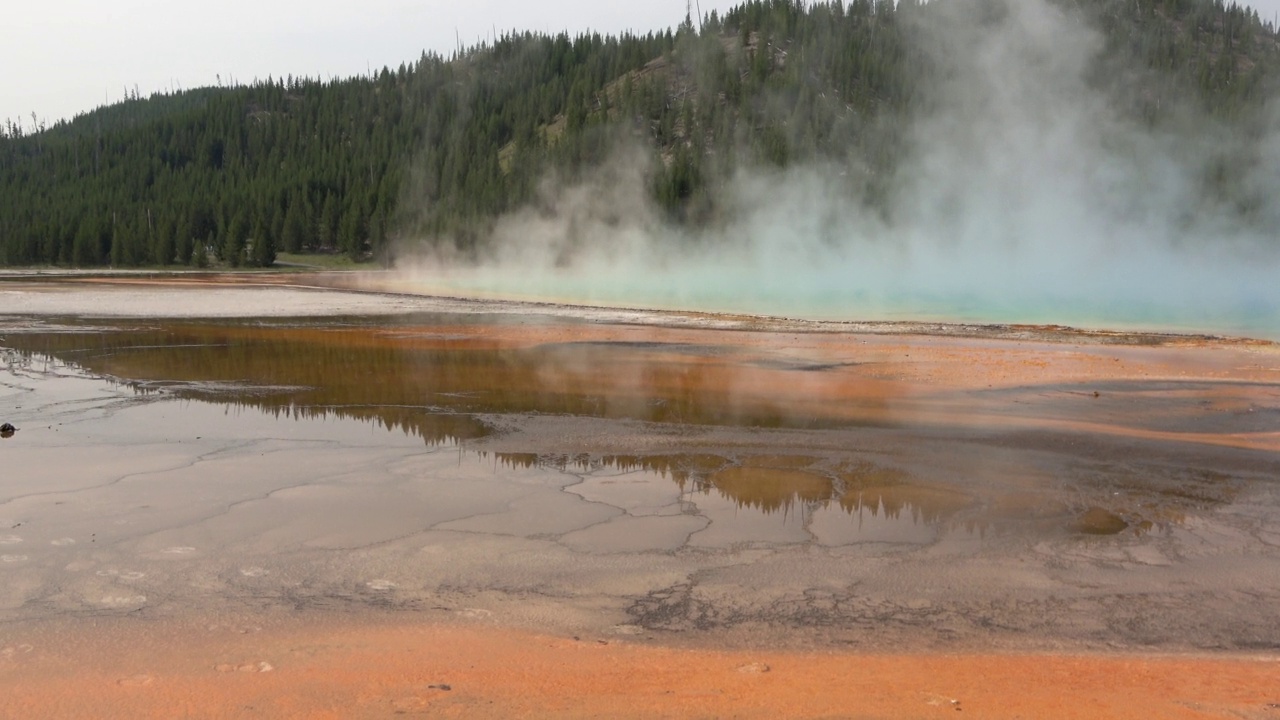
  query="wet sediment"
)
[{"x": 682, "y": 485}]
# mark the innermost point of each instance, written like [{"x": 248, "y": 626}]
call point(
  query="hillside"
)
[{"x": 435, "y": 150}]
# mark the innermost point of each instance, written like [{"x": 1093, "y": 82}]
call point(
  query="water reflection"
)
[
  {"x": 426, "y": 378},
  {"x": 838, "y": 502},
  {"x": 803, "y": 492},
  {"x": 437, "y": 378}
]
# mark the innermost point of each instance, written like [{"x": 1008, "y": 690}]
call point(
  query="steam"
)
[{"x": 1026, "y": 197}]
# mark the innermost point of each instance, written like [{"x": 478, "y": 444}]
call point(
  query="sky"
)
[{"x": 65, "y": 57}]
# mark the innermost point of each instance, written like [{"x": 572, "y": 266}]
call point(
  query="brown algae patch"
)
[{"x": 1097, "y": 521}]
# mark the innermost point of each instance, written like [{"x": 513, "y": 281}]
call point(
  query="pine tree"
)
[
  {"x": 233, "y": 242},
  {"x": 264, "y": 247},
  {"x": 295, "y": 228}
]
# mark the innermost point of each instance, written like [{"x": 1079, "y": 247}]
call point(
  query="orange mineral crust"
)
[
  {"x": 297, "y": 497},
  {"x": 315, "y": 669}
]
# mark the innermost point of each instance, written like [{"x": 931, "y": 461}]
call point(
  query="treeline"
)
[
  {"x": 230, "y": 175},
  {"x": 440, "y": 148}
]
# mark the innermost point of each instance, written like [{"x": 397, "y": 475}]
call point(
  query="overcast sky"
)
[{"x": 63, "y": 57}]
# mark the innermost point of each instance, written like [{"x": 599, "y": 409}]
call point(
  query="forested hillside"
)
[{"x": 437, "y": 149}]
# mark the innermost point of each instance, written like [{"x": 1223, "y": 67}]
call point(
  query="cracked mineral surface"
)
[{"x": 722, "y": 483}]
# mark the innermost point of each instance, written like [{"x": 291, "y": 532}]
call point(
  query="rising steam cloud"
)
[{"x": 1026, "y": 196}]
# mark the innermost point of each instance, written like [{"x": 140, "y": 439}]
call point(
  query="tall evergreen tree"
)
[{"x": 235, "y": 239}]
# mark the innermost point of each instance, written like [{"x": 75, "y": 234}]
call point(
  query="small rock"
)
[
  {"x": 440, "y": 686},
  {"x": 7, "y": 430},
  {"x": 142, "y": 680}
]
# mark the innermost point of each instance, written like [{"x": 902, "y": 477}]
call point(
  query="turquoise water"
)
[{"x": 1249, "y": 307}]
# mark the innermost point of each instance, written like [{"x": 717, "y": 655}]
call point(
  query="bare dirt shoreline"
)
[{"x": 1173, "y": 621}]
